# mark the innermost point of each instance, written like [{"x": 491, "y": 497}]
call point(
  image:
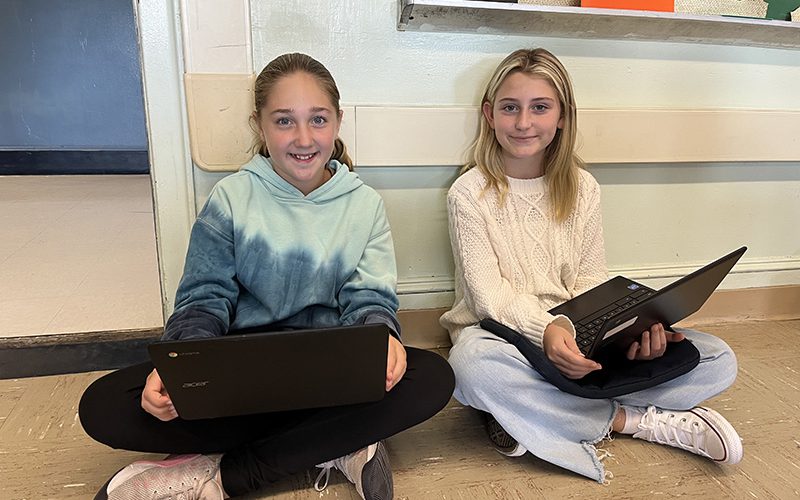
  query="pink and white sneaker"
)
[{"x": 181, "y": 477}]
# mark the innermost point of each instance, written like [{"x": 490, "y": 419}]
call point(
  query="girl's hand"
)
[
  {"x": 395, "y": 363},
  {"x": 155, "y": 399},
  {"x": 562, "y": 350},
  {"x": 653, "y": 343}
]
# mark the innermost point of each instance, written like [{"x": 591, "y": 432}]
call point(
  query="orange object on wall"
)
[{"x": 659, "y": 5}]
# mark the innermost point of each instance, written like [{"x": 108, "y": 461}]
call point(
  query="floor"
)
[
  {"x": 76, "y": 253},
  {"x": 45, "y": 454}
]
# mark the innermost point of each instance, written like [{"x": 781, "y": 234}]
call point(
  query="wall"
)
[
  {"x": 69, "y": 76},
  {"x": 661, "y": 220}
]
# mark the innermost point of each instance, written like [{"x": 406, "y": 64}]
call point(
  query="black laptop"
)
[
  {"x": 273, "y": 371},
  {"x": 619, "y": 310}
]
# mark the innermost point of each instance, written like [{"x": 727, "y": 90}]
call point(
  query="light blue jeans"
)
[{"x": 492, "y": 376}]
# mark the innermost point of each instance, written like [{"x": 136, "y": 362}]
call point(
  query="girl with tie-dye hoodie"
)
[{"x": 293, "y": 240}]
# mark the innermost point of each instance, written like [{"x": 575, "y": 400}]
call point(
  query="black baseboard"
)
[
  {"x": 73, "y": 353},
  {"x": 73, "y": 162}
]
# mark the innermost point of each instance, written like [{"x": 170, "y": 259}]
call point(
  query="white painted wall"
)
[
  {"x": 660, "y": 220},
  {"x": 373, "y": 63},
  {"x": 216, "y": 36}
]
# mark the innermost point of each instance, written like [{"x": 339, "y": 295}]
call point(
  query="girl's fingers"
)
[
  {"x": 633, "y": 350},
  {"x": 657, "y": 342},
  {"x": 390, "y": 362},
  {"x": 644, "y": 348},
  {"x": 674, "y": 336},
  {"x": 574, "y": 365},
  {"x": 396, "y": 363}
]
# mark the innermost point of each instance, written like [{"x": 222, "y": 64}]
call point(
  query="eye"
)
[
  {"x": 540, "y": 108},
  {"x": 283, "y": 121},
  {"x": 510, "y": 108},
  {"x": 319, "y": 121}
]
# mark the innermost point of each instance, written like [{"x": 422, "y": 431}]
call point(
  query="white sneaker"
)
[
  {"x": 184, "y": 477},
  {"x": 368, "y": 469},
  {"x": 700, "y": 430}
]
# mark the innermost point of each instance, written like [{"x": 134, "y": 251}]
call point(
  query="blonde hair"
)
[
  {"x": 561, "y": 163},
  {"x": 283, "y": 66}
]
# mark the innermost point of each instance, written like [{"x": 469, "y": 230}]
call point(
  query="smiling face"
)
[
  {"x": 525, "y": 118},
  {"x": 299, "y": 125}
]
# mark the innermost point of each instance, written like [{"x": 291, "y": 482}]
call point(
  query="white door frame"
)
[{"x": 171, "y": 170}]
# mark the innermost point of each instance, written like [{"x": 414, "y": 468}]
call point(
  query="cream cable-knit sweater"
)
[{"x": 515, "y": 262}]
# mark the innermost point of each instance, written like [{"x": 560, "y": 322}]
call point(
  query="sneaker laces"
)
[
  {"x": 326, "y": 473},
  {"x": 346, "y": 465},
  {"x": 337, "y": 463},
  {"x": 681, "y": 432}
]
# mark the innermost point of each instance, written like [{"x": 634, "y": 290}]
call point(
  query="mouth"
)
[
  {"x": 523, "y": 139},
  {"x": 303, "y": 158}
]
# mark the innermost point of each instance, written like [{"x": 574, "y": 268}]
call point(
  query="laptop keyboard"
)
[{"x": 589, "y": 327}]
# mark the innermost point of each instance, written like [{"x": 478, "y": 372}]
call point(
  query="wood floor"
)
[{"x": 45, "y": 454}]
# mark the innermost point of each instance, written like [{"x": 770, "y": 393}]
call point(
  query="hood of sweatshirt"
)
[{"x": 342, "y": 182}]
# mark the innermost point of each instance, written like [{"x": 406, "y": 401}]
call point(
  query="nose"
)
[
  {"x": 524, "y": 120},
  {"x": 303, "y": 137}
]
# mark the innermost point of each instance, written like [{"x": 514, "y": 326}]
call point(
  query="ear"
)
[
  {"x": 257, "y": 123},
  {"x": 488, "y": 113},
  {"x": 339, "y": 122},
  {"x": 560, "y": 123}
]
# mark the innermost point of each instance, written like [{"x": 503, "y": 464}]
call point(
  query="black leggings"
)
[{"x": 259, "y": 449}]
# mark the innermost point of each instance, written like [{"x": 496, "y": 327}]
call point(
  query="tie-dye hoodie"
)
[{"x": 262, "y": 253}]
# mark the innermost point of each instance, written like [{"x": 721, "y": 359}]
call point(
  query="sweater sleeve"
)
[
  {"x": 369, "y": 295},
  {"x": 487, "y": 293},
  {"x": 208, "y": 292},
  {"x": 592, "y": 264}
]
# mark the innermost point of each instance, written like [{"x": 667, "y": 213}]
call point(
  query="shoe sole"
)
[
  {"x": 103, "y": 493},
  {"x": 727, "y": 434},
  {"x": 374, "y": 476},
  {"x": 518, "y": 451}
]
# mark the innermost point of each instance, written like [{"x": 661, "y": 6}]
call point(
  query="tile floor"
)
[{"x": 69, "y": 243}]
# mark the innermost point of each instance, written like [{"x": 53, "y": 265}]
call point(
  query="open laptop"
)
[
  {"x": 619, "y": 310},
  {"x": 273, "y": 371}
]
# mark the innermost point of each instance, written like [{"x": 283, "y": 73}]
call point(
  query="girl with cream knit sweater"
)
[{"x": 526, "y": 231}]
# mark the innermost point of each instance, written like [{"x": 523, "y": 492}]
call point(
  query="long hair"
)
[
  {"x": 286, "y": 65},
  {"x": 561, "y": 163}
]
